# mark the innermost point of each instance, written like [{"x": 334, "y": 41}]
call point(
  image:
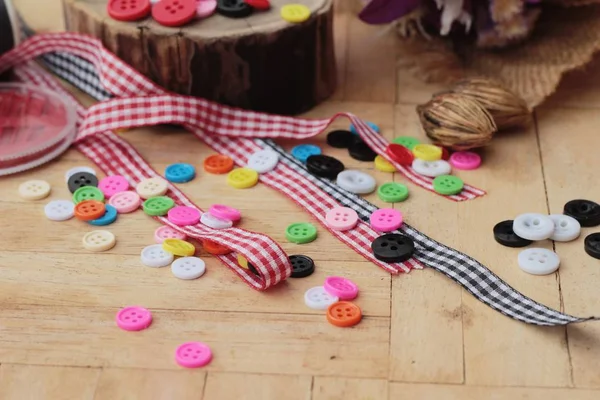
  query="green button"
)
[
  {"x": 301, "y": 232},
  {"x": 407, "y": 141},
  {"x": 392, "y": 192},
  {"x": 87, "y": 193},
  {"x": 448, "y": 185},
  {"x": 160, "y": 205}
]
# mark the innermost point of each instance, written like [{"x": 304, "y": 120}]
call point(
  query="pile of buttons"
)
[
  {"x": 565, "y": 227},
  {"x": 334, "y": 296}
]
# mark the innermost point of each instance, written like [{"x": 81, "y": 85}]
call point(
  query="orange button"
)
[
  {"x": 215, "y": 248},
  {"x": 218, "y": 164},
  {"x": 88, "y": 210},
  {"x": 344, "y": 314}
]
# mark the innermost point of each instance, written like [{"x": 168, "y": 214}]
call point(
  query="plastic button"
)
[
  {"x": 538, "y": 261},
  {"x": 110, "y": 216},
  {"x": 242, "y": 261},
  {"x": 317, "y": 298},
  {"x": 427, "y": 152},
  {"x": 59, "y": 210},
  {"x": 431, "y": 168},
  {"x": 465, "y": 160},
  {"x": 504, "y": 234},
  {"x": 301, "y": 232},
  {"x": 225, "y": 212},
  {"x": 76, "y": 170},
  {"x": 152, "y": 187},
  {"x": 592, "y": 245},
  {"x": 295, "y": 13},
  {"x": 133, "y": 318},
  {"x": 242, "y": 178},
  {"x": 193, "y": 355},
  {"x": 371, "y": 125},
  {"x": 205, "y": 8},
  {"x": 303, "y": 151},
  {"x": 392, "y": 192},
  {"x": 302, "y": 266},
  {"x": 180, "y": 173},
  {"x": 166, "y": 232},
  {"x": 111, "y": 185},
  {"x": 160, "y": 205},
  {"x": 360, "y": 151},
  {"x": 188, "y": 268},
  {"x": 356, "y": 181},
  {"x": 34, "y": 190},
  {"x": 324, "y": 166},
  {"x": 393, "y": 248},
  {"x": 80, "y": 180},
  {"x": 99, "y": 241},
  {"x": 533, "y": 226},
  {"x": 343, "y": 288},
  {"x": 218, "y": 164},
  {"x": 125, "y": 202},
  {"x": 178, "y": 247},
  {"x": 263, "y": 161},
  {"x": 384, "y": 165},
  {"x": 565, "y": 228},
  {"x": 448, "y": 185},
  {"x": 87, "y": 193},
  {"x": 340, "y": 139},
  {"x": 174, "y": 12},
  {"x": 215, "y": 248},
  {"x": 89, "y": 210},
  {"x": 183, "y": 215},
  {"x": 128, "y": 10},
  {"x": 400, "y": 154},
  {"x": 213, "y": 222},
  {"x": 386, "y": 220},
  {"x": 341, "y": 218},
  {"x": 262, "y": 5},
  {"x": 344, "y": 314},
  {"x": 233, "y": 8},
  {"x": 585, "y": 211},
  {"x": 407, "y": 141},
  {"x": 155, "y": 256}
]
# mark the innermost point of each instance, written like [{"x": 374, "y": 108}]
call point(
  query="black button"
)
[
  {"x": 361, "y": 152},
  {"x": 340, "y": 139},
  {"x": 586, "y": 212},
  {"x": 82, "y": 179},
  {"x": 592, "y": 245},
  {"x": 503, "y": 233},
  {"x": 233, "y": 8},
  {"x": 393, "y": 248},
  {"x": 302, "y": 266},
  {"x": 324, "y": 166},
  {"x": 253, "y": 269}
]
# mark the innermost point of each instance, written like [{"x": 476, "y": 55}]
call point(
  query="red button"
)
[
  {"x": 128, "y": 10},
  {"x": 174, "y": 12},
  {"x": 445, "y": 153},
  {"x": 258, "y": 4},
  {"x": 400, "y": 154}
]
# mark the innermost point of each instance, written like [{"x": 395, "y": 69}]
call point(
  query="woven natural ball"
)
[{"x": 457, "y": 122}]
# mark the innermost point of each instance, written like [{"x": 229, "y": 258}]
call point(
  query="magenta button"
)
[{"x": 183, "y": 215}]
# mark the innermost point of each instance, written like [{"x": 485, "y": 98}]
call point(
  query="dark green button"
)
[
  {"x": 87, "y": 193},
  {"x": 301, "y": 232},
  {"x": 160, "y": 205},
  {"x": 407, "y": 141},
  {"x": 392, "y": 192},
  {"x": 448, "y": 185}
]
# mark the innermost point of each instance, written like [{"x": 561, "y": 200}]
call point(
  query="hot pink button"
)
[
  {"x": 114, "y": 184},
  {"x": 386, "y": 220},
  {"x": 465, "y": 160},
  {"x": 225, "y": 212},
  {"x": 193, "y": 355},
  {"x": 166, "y": 232},
  {"x": 205, "y": 8},
  {"x": 341, "y": 218},
  {"x": 343, "y": 288},
  {"x": 133, "y": 318},
  {"x": 125, "y": 202},
  {"x": 183, "y": 215}
]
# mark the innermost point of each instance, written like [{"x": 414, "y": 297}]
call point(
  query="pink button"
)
[
  {"x": 125, "y": 202},
  {"x": 133, "y": 318},
  {"x": 112, "y": 185},
  {"x": 465, "y": 160},
  {"x": 341, "y": 218},
  {"x": 183, "y": 215},
  {"x": 225, "y": 212},
  {"x": 386, "y": 220},
  {"x": 205, "y": 8},
  {"x": 166, "y": 232},
  {"x": 193, "y": 355},
  {"x": 343, "y": 288}
]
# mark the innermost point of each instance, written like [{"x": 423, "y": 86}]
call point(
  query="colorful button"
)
[
  {"x": 532, "y": 226},
  {"x": 318, "y": 298},
  {"x": 344, "y": 314},
  {"x": 205, "y": 8},
  {"x": 110, "y": 216},
  {"x": 445, "y": 154},
  {"x": 341, "y": 218},
  {"x": 218, "y": 164},
  {"x": 178, "y": 247},
  {"x": 324, "y": 166},
  {"x": 392, "y": 192},
  {"x": 427, "y": 152},
  {"x": 343, "y": 288},
  {"x": 128, "y": 10},
  {"x": 213, "y": 222},
  {"x": 504, "y": 234},
  {"x": 242, "y": 178},
  {"x": 262, "y": 5},
  {"x": 59, "y": 210},
  {"x": 356, "y": 181},
  {"x": 174, "y": 12},
  {"x": 302, "y": 266},
  {"x": 152, "y": 187},
  {"x": 295, "y": 13},
  {"x": 99, "y": 241},
  {"x": 155, "y": 256},
  {"x": 89, "y": 210},
  {"x": 215, "y": 248},
  {"x": 87, "y": 193},
  {"x": 76, "y": 170},
  {"x": 188, "y": 268},
  {"x": 360, "y": 151},
  {"x": 301, "y": 232},
  {"x": 193, "y": 355},
  {"x": 407, "y": 141},
  {"x": 386, "y": 220},
  {"x": 242, "y": 261},
  {"x": 80, "y": 180},
  {"x": 431, "y": 168},
  {"x": 111, "y": 185},
  {"x": 400, "y": 154},
  {"x": 370, "y": 124},
  {"x": 156, "y": 206},
  {"x": 465, "y": 160},
  {"x": 263, "y": 161},
  {"x": 34, "y": 190},
  {"x": 133, "y": 318},
  {"x": 180, "y": 173},
  {"x": 585, "y": 211},
  {"x": 225, "y": 212},
  {"x": 303, "y": 151},
  {"x": 448, "y": 185},
  {"x": 393, "y": 248},
  {"x": 592, "y": 245},
  {"x": 340, "y": 139},
  {"x": 538, "y": 261},
  {"x": 233, "y": 8},
  {"x": 125, "y": 202},
  {"x": 166, "y": 232},
  {"x": 384, "y": 165},
  {"x": 183, "y": 215},
  {"x": 565, "y": 228}
]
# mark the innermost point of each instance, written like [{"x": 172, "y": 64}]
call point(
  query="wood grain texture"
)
[{"x": 257, "y": 387}]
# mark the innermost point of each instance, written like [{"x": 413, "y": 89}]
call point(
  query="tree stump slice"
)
[{"x": 260, "y": 62}]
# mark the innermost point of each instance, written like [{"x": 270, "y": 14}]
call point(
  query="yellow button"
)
[
  {"x": 295, "y": 13},
  {"x": 179, "y": 247},
  {"x": 384, "y": 165},
  {"x": 242, "y": 261},
  {"x": 242, "y": 178},
  {"x": 427, "y": 152}
]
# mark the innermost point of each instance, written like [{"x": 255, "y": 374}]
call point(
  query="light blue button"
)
[
  {"x": 303, "y": 151},
  {"x": 110, "y": 216},
  {"x": 372, "y": 125},
  {"x": 180, "y": 173}
]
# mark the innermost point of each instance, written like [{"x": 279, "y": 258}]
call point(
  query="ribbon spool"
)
[{"x": 9, "y": 29}]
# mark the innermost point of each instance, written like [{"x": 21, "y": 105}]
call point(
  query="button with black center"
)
[
  {"x": 586, "y": 212},
  {"x": 393, "y": 248},
  {"x": 340, "y": 139},
  {"x": 592, "y": 245},
  {"x": 360, "y": 151},
  {"x": 324, "y": 166},
  {"x": 253, "y": 269},
  {"x": 504, "y": 234},
  {"x": 302, "y": 266},
  {"x": 233, "y": 8},
  {"x": 82, "y": 179}
]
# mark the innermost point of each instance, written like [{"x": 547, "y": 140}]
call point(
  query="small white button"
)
[
  {"x": 317, "y": 298},
  {"x": 99, "y": 240},
  {"x": 565, "y": 228},
  {"x": 188, "y": 268},
  {"x": 263, "y": 161},
  {"x": 60, "y": 210},
  {"x": 533, "y": 226},
  {"x": 152, "y": 187},
  {"x": 213, "y": 222},
  {"x": 537, "y": 261},
  {"x": 356, "y": 181},
  {"x": 76, "y": 170},
  {"x": 431, "y": 168},
  {"x": 34, "y": 190},
  {"x": 155, "y": 256}
]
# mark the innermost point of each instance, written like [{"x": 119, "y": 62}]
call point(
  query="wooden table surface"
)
[{"x": 422, "y": 336}]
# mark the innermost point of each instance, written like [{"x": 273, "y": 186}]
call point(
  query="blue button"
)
[
  {"x": 180, "y": 173},
  {"x": 110, "y": 216},
  {"x": 372, "y": 125},
  {"x": 303, "y": 151}
]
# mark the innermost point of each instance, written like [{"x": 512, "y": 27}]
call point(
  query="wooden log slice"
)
[{"x": 260, "y": 62}]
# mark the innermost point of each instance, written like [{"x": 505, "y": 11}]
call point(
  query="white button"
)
[
  {"x": 356, "y": 181},
  {"x": 151, "y": 187},
  {"x": 263, "y": 161},
  {"x": 34, "y": 190},
  {"x": 188, "y": 268},
  {"x": 431, "y": 168},
  {"x": 99, "y": 240},
  {"x": 565, "y": 228},
  {"x": 533, "y": 226},
  {"x": 60, "y": 210},
  {"x": 76, "y": 170},
  {"x": 538, "y": 261},
  {"x": 317, "y": 298},
  {"x": 213, "y": 222},
  {"x": 155, "y": 256}
]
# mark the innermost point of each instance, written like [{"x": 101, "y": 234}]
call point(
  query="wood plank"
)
[
  {"x": 325, "y": 388},
  {"x": 257, "y": 387}
]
